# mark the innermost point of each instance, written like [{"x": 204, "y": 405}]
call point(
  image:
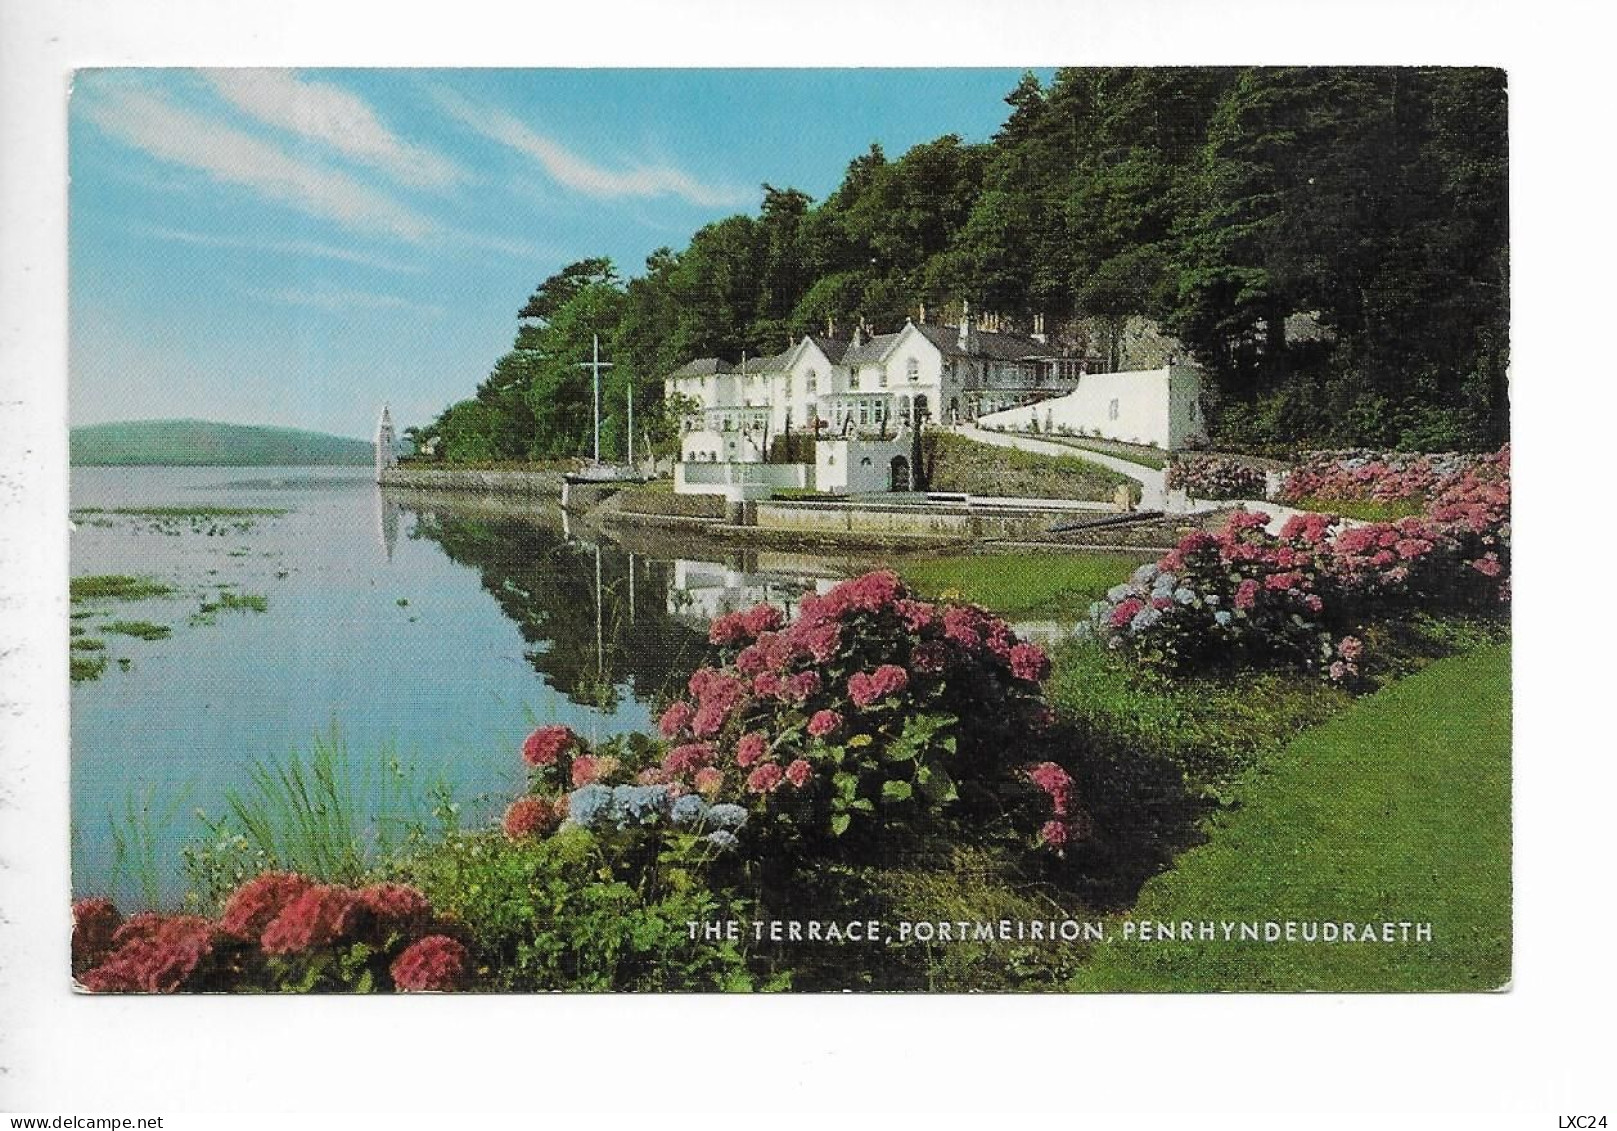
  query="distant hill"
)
[{"x": 204, "y": 443}]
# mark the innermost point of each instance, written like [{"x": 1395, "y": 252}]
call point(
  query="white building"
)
[
  {"x": 1160, "y": 407},
  {"x": 866, "y": 384}
]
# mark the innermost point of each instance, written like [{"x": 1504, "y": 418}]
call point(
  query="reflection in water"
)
[
  {"x": 601, "y": 620},
  {"x": 387, "y": 522}
]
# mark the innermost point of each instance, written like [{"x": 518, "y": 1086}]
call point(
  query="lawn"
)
[
  {"x": 1397, "y": 809},
  {"x": 1021, "y": 585},
  {"x": 959, "y": 464},
  {"x": 1144, "y": 455}
]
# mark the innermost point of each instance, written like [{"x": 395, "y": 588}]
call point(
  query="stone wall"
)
[{"x": 531, "y": 483}]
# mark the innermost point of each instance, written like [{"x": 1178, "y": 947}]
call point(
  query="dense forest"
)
[{"x": 1231, "y": 207}]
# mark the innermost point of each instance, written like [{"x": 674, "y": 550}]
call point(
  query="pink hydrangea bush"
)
[
  {"x": 1354, "y": 475},
  {"x": 870, "y": 710},
  {"x": 1215, "y": 477},
  {"x": 1245, "y": 595},
  {"x": 278, "y": 931}
]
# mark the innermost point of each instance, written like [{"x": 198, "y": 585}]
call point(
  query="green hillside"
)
[{"x": 204, "y": 443}]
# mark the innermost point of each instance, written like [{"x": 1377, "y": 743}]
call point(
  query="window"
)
[
  {"x": 853, "y": 378},
  {"x": 813, "y": 382},
  {"x": 912, "y": 369},
  {"x": 788, "y": 385},
  {"x": 883, "y": 380},
  {"x": 1111, "y": 410}
]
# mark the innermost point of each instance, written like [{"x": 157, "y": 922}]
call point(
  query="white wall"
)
[
  {"x": 739, "y": 482},
  {"x": 1153, "y": 406},
  {"x": 857, "y": 467}
]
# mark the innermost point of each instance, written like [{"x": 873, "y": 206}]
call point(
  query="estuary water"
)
[{"x": 428, "y": 631}]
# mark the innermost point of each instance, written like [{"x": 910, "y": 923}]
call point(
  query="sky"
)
[{"x": 294, "y": 248}]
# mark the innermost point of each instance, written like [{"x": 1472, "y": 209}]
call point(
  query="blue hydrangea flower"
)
[
  {"x": 688, "y": 810},
  {"x": 1146, "y": 574},
  {"x": 1213, "y": 599},
  {"x": 727, "y": 816},
  {"x": 722, "y": 839},
  {"x": 639, "y": 804},
  {"x": 1117, "y": 593},
  {"x": 1184, "y": 596},
  {"x": 1144, "y": 619},
  {"x": 590, "y": 805},
  {"x": 1083, "y": 630},
  {"x": 1223, "y": 617}
]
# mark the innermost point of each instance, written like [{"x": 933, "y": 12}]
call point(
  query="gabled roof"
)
[
  {"x": 871, "y": 351},
  {"x": 775, "y": 364},
  {"x": 996, "y": 346},
  {"x": 833, "y": 348},
  {"x": 701, "y": 367}
]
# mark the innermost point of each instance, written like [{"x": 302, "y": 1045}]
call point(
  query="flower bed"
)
[
  {"x": 1215, "y": 477},
  {"x": 278, "y": 932},
  {"x": 1301, "y": 597},
  {"x": 1364, "y": 475}
]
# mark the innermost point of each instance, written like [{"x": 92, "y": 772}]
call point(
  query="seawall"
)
[{"x": 529, "y": 483}]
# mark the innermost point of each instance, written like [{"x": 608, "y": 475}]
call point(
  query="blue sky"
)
[{"x": 295, "y": 247}]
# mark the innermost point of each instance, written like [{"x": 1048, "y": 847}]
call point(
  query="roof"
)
[
  {"x": 870, "y": 351},
  {"x": 997, "y": 346},
  {"x": 775, "y": 364},
  {"x": 833, "y": 348},
  {"x": 701, "y": 367}
]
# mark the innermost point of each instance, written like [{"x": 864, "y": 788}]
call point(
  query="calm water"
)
[{"x": 439, "y": 627}]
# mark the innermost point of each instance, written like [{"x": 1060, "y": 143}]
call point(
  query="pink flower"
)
[
  {"x": 1487, "y": 565},
  {"x": 799, "y": 773},
  {"x": 889, "y": 679},
  {"x": 820, "y": 641},
  {"x": 762, "y": 618},
  {"x": 255, "y": 903},
  {"x": 768, "y": 684},
  {"x": 675, "y": 719},
  {"x": 1127, "y": 609},
  {"x": 1246, "y": 594},
  {"x": 688, "y": 758},
  {"x": 728, "y": 631},
  {"x": 395, "y": 907},
  {"x": 1350, "y": 649},
  {"x": 824, "y": 723},
  {"x": 802, "y": 686},
  {"x": 916, "y": 615},
  {"x": 318, "y": 917},
  {"x": 435, "y": 963},
  {"x": 1056, "y": 783},
  {"x": 750, "y": 749},
  {"x": 709, "y": 781},
  {"x": 530, "y": 817},
  {"x": 1054, "y": 833},
  {"x": 154, "y": 954},
  {"x": 94, "y": 923},
  {"x": 546, "y": 744},
  {"x": 1029, "y": 662},
  {"x": 765, "y": 778},
  {"x": 589, "y": 768}
]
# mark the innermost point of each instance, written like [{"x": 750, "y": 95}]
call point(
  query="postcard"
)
[{"x": 675, "y": 531}]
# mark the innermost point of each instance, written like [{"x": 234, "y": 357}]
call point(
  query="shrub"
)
[
  {"x": 279, "y": 931},
  {"x": 1300, "y": 597},
  {"x": 1215, "y": 477},
  {"x": 1365, "y": 475}
]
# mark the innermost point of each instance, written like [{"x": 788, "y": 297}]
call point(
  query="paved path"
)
[{"x": 1153, "y": 489}]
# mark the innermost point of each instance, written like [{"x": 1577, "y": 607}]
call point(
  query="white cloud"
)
[
  {"x": 339, "y": 301},
  {"x": 284, "y": 247},
  {"x": 155, "y": 125},
  {"x": 575, "y": 172},
  {"x": 336, "y": 117}
]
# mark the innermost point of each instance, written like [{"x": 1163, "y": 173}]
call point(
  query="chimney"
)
[
  {"x": 1038, "y": 330},
  {"x": 923, "y": 312},
  {"x": 968, "y": 336}
]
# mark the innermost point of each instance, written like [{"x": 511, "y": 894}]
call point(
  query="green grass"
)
[
  {"x": 140, "y": 629},
  {"x": 1370, "y": 510},
  {"x": 1398, "y": 809},
  {"x": 960, "y": 464},
  {"x": 88, "y": 644},
  {"x": 1024, "y": 584},
  {"x": 115, "y": 587},
  {"x": 1141, "y": 454}
]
